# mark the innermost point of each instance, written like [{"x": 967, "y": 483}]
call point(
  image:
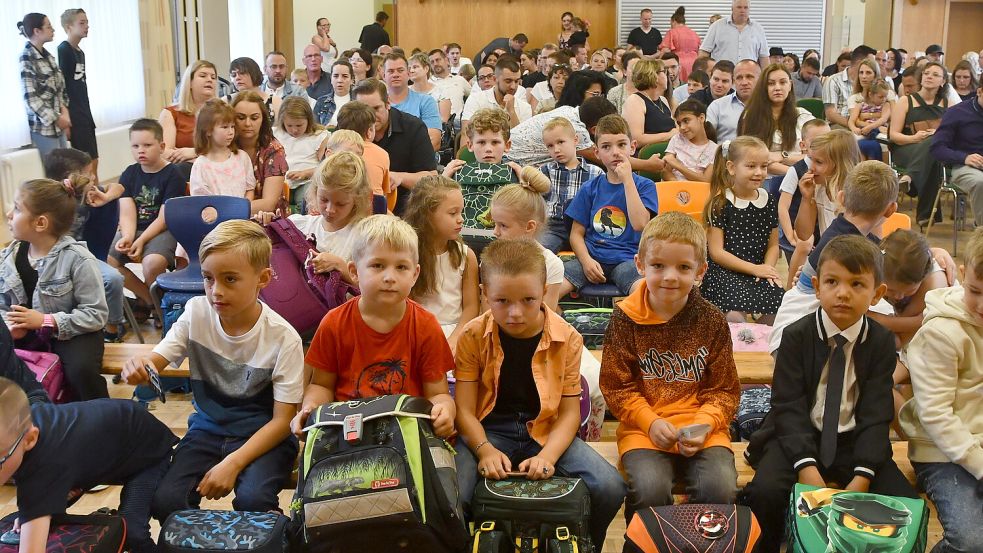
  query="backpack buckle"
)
[
  {"x": 562, "y": 533},
  {"x": 353, "y": 428},
  {"x": 487, "y": 526}
]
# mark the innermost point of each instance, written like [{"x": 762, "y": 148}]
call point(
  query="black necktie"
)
[{"x": 831, "y": 411}]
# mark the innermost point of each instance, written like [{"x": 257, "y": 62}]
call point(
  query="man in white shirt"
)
[
  {"x": 736, "y": 37},
  {"x": 457, "y": 61},
  {"x": 503, "y": 95},
  {"x": 454, "y": 87},
  {"x": 838, "y": 88},
  {"x": 724, "y": 113}
]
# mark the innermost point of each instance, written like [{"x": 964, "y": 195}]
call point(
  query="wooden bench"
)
[
  {"x": 116, "y": 355},
  {"x": 753, "y": 367}
]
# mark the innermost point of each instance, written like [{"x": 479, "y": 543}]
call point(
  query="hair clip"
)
[
  {"x": 67, "y": 183},
  {"x": 725, "y": 148}
]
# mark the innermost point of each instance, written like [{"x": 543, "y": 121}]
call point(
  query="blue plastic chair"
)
[{"x": 600, "y": 295}]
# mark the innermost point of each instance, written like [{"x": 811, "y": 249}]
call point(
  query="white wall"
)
[{"x": 347, "y": 19}]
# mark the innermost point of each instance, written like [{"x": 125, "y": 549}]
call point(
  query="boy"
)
[
  {"x": 609, "y": 213},
  {"x": 489, "y": 134},
  {"x": 143, "y": 236},
  {"x": 380, "y": 342},
  {"x": 359, "y": 117},
  {"x": 567, "y": 172},
  {"x": 246, "y": 377},
  {"x": 831, "y": 403},
  {"x": 944, "y": 421},
  {"x": 518, "y": 387},
  {"x": 51, "y": 450},
  {"x": 790, "y": 197},
  {"x": 299, "y": 77},
  {"x": 668, "y": 373}
]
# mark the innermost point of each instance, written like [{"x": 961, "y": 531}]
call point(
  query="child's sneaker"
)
[{"x": 114, "y": 337}]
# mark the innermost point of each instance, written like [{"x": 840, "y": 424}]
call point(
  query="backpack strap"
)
[{"x": 288, "y": 233}]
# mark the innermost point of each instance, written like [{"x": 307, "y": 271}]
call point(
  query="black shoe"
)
[{"x": 114, "y": 337}]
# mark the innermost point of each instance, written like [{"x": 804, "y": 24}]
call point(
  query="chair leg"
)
[
  {"x": 935, "y": 208},
  {"x": 132, "y": 320}
]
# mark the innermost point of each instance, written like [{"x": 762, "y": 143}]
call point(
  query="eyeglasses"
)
[
  {"x": 13, "y": 448},
  {"x": 486, "y": 77}
]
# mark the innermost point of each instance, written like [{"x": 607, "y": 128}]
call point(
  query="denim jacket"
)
[
  {"x": 69, "y": 287},
  {"x": 325, "y": 107}
]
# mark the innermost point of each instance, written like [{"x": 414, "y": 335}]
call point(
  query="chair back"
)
[
  {"x": 685, "y": 196},
  {"x": 183, "y": 216},
  {"x": 898, "y": 221},
  {"x": 813, "y": 106},
  {"x": 649, "y": 151}
]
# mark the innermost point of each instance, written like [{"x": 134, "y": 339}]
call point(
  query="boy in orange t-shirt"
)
[
  {"x": 380, "y": 343},
  {"x": 358, "y": 117},
  {"x": 668, "y": 373}
]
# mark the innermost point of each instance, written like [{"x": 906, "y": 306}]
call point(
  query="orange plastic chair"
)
[
  {"x": 898, "y": 221},
  {"x": 684, "y": 196}
]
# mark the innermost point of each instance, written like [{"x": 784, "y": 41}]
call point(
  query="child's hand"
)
[
  {"x": 21, "y": 317},
  {"x": 810, "y": 477},
  {"x": 858, "y": 484},
  {"x": 767, "y": 272},
  {"x": 538, "y": 468},
  {"x": 219, "y": 480},
  {"x": 134, "y": 371},
  {"x": 299, "y": 421},
  {"x": 691, "y": 446},
  {"x": 515, "y": 167},
  {"x": 593, "y": 271},
  {"x": 663, "y": 434},
  {"x": 623, "y": 170},
  {"x": 807, "y": 185},
  {"x": 492, "y": 463},
  {"x": 944, "y": 259},
  {"x": 96, "y": 197},
  {"x": 265, "y": 217},
  {"x": 136, "y": 251},
  {"x": 325, "y": 262},
  {"x": 453, "y": 167},
  {"x": 124, "y": 244},
  {"x": 442, "y": 420}
]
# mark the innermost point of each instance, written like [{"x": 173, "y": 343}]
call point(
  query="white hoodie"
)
[{"x": 944, "y": 420}]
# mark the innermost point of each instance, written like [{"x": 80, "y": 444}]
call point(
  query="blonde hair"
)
[
  {"x": 512, "y": 257},
  {"x": 298, "y": 72},
  {"x": 345, "y": 172},
  {"x": 872, "y": 65},
  {"x": 387, "y": 230},
  {"x": 490, "y": 119},
  {"x": 345, "y": 138},
  {"x": 241, "y": 237},
  {"x": 15, "y": 410},
  {"x": 879, "y": 85},
  {"x": 870, "y": 188},
  {"x": 213, "y": 112},
  {"x": 55, "y": 199},
  {"x": 675, "y": 227},
  {"x": 525, "y": 200},
  {"x": 974, "y": 253},
  {"x": 185, "y": 102},
  {"x": 645, "y": 75},
  {"x": 296, "y": 107},
  {"x": 427, "y": 195},
  {"x": 720, "y": 179},
  {"x": 841, "y": 147},
  {"x": 560, "y": 123},
  {"x": 69, "y": 16}
]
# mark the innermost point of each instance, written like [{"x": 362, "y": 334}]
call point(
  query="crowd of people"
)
[{"x": 357, "y": 148}]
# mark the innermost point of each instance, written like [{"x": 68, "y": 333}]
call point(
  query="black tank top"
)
[{"x": 658, "y": 117}]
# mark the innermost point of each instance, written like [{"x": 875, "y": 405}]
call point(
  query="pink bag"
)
[
  {"x": 46, "y": 367},
  {"x": 750, "y": 336}
]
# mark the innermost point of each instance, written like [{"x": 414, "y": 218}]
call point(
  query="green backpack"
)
[{"x": 479, "y": 181}]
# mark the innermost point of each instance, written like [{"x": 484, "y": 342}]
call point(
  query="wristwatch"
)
[{"x": 784, "y": 154}]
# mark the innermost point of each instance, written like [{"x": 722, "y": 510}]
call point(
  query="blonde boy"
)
[
  {"x": 299, "y": 77},
  {"x": 668, "y": 373},
  {"x": 246, "y": 376}
]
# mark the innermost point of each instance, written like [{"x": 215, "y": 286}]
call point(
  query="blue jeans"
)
[
  {"x": 112, "y": 281},
  {"x": 508, "y": 434},
  {"x": 45, "y": 144},
  {"x": 556, "y": 236},
  {"x": 256, "y": 488},
  {"x": 954, "y": 491},
  {"x": 870, "y": 147},
  {"x": 623, "y": 275},
  {"x": 710, "y": 477}
]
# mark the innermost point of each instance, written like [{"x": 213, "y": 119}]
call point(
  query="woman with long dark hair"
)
[
  {"x": 254, "y": 135},
  {"x": 772, "y": 116}
]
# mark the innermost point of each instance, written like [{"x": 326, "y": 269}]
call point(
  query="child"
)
[
  {"x": 51, "y": 295},
  {"x": 834, "y": 155},
  {"x": 488, "y": 130},
  {"x": 696, "y": 81},
  {"x": 518, "y": 387},
  {"x": 303, "y": 143},
  {"x": 868, "y": 116},
  {"x": 143, "y": 236},
  {"x": 380, "y": 342},
  {"x": 660, "y": 404},
  {"x": 359, "y": 117},
  {"x": 448, "y": 282},
  {"x": 689, "y": 155},
  {"x": 299, "y": 77},
  {"x": 567, "y": 173},
  {"x": 341, "y": 196},
  {"x": 246, "y": 377},
  {"x": 221, "y": 169},
  {"x": 49, "y": 450},
  {"x": 743, "y": 234},
  {"x": 609, "y": 213},
  {"x": 944, "y": 421},
  {"x": 339, "y": 141},
  {"x": 831, "y": 395},
  {"x": 71, "y": 61}
]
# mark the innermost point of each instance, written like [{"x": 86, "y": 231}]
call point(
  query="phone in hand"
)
[{"x": 155, "y": 382}]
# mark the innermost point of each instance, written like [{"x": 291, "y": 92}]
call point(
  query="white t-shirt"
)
[
  {"x": 338, "y": 102},
  {"x": 541, "y": 91},
  {"x": 520, "y": 92},
  {"x": 791, "y": 180},
  {"x": 301, "y": 151},
  {"x": 554, "y": 267},
  {"x": 446, "y": 302},
  {"x": 338, "y": 242},
  {"x": 462, "y": 62},
  {"x": 486, "y": 99},
  {"x": 455, "y": 88}
]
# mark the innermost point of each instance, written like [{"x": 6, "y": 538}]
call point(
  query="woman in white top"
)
[
  {"x": 324, "y": 42},
  {"x": 419, "y": 66},
  {"x": 772, "y": 116}
]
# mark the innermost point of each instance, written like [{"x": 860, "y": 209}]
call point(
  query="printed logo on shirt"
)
[
  {"x": 610, "y": 221},
  {"x": 670, "y": 366},
  {"x": 381, "y": 378},
  {"x": 79, "y": 72}
]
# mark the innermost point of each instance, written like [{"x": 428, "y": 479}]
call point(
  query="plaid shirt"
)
[
  {"x": 564, "y": 184},
  {"x": 44, "y": 90}
]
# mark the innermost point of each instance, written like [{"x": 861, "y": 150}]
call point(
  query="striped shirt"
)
[
  {"x": 44, "y": 90},
  {"x": 564, "y": 184}
]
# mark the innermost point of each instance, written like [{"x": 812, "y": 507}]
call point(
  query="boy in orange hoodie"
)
[{"x": 668, "y": 373}]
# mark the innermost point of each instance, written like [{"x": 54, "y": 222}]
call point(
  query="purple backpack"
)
[
  {"x": 46, "y": 367},
  {"x": 296, "y": 292}
]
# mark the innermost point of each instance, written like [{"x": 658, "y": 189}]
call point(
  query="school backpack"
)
[
  {"x": 479, "y": 181},
  {"x": 692, "y": 528},
  {"x": 375, "y": 478},
  {"x": 751, "y": 411},
  {"x": 591, "y": 323},
  {"x": 296, "y": 292},
  {"x": 531, "y": 516},
  {"x": 100, "y": 532},
  {"x": 824, "y": 519},
  {"x": 47, "y": 368},
  {"x": 205, "y": 531}
]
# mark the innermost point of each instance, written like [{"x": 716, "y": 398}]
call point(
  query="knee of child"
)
[
  {"x": 649, "y": 490},
  {"x": 167, "y": 501},
  {"x": 154, "y": 263},
  {"x": 254, "y": 498}
]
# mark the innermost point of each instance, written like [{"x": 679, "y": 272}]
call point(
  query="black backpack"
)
[{"x": 375, "y": 478}]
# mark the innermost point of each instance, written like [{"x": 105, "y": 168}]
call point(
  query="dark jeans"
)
[
  {"x": 508, "y": 434},
  {"x": 956, "y": 495},
  {"x": 256, "y": 488},
  {"x": 135, "y": 501},
  {"x": 925, "y": 172}
]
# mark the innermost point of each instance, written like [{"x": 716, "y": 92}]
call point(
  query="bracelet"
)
[
  {"x": 48, "y": 321},
  {"x": 479, "y": 446}
]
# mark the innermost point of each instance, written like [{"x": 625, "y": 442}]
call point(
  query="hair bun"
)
[
  {"x": 534, "y": 179},
  {"x": 681, "y": 10}
]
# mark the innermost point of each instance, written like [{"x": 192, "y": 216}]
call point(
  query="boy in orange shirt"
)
[
  {"x": 518, "y": 387},
  {"x": 358, "y": 117},
  {"x": 668, "y": 373},
  {"x": 381, "y": 342}
]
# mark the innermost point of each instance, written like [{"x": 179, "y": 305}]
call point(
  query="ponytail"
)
[
  {"x": 720, "y": 180},
  {"x": 56, "y": 199}
]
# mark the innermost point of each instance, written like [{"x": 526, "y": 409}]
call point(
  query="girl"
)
[
  {"x": 964, "y": 80},
  {"x": 303, "y": 140},
  {"x": 772, "y": 116},
  {"x": 327, "y": 107},
  {"x": 43, "y": 86},
  {"x": 518, "y": 211},
  {"x": 448, "y": 282},
  {"x": 339, "y": 141},
  {"x": 833, "y": 155},
  {"x": 419, "y": 68},
  {"x": 870, "y": 110},
  {"x": 51, "y": 294},
  {"x": 690, "y": 152},
  {"x": 743, "y": 234},
  {"x": 222, "y": 169}
]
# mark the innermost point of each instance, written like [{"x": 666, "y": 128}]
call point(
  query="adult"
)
[
  {"x": 403, "y": 136},
  {"x": 811, "y": 53},
  {"x": 198, "y": 85},
  {"x": 935, "y": 53},
  {"x": 913, "y": 122},
  {"x": 327, "y": 106},
  {"x": 247, "y": 76},
  {"x": 649, "y": 111},
  {"x": 959, "y": 143},
  {"x": 791, "y": 62},
  {"x": 806, "y": 82},
  {"x": 484, "y": 79},
  {"x": 725, "y": 112},
  {"x": 838, "y": 88},
  {"x": 721, "y": 84},
  {"x": 504, "y": 95},
  {"x": 645, "y": 37},
  {"x": 43, "y": 86},
  {"x": 529, "y": 63},
  {"x": 318, "y": 82},
  {"x": 736, "y": 37},
  {"x": 395, "y": 71},
  {"x": 71, "y": 60},
  {"x": 893, "y": 67},
  {"x": 512, "y": 46},
  {"x": 254, "y": 135},
  {"x": 322, "y": 39},
  {"x": 454, "y": 87},
  {"x": 866, "y": 76},
  {"x": 566, "y": 31},
  {"x": 670, "y": 61},
  {"x": 682, "y": 41},
  {"x": 580, "y": 34},
  {"x": 528, "y": 147},
  {"x": 277, "y": 83},
  {"x": 455, "y": 59},
  {"x": 362, "y": 65},
  {"x": 599, "y": 64},
  {"x": 772, "y": 116},
  {"x": 842, "y": 62},
  {"x": 620, "y": 93},
  {"x": 964, "y": 81},
  {"x": 374, "y": 34},
  {"x": 420, "y": 71},
  {"x": 555, "y": 84}
]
